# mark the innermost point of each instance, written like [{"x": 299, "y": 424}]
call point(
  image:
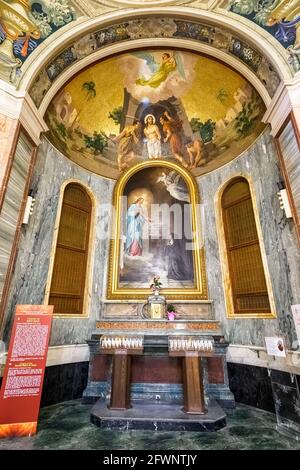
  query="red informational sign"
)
[{"x": 22, "y": 384}]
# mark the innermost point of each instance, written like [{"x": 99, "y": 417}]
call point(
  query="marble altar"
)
[{"x": 160, "y": 376}]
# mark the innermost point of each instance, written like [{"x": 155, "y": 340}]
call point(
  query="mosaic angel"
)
[{"x": 160, "y": 72}]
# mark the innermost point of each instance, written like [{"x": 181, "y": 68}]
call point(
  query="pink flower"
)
[{"x": 171, "y": 316}]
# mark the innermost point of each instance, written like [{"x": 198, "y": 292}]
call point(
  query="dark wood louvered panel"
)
[
  {"x": 241, "y": 223},
  {"x": 70, "y": 263},
  {"x": 74, "y": 228},
  {"x": 75, "y": 195},
  {"x": 69, "y": 271},
  {"x": 253, "y": 303},
  {"x": 238, "y": 191},
  {"x": 66, "y": 305},
  {"x": 246, "y": 271}
]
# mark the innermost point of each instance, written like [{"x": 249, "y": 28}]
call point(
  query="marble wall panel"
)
[
  {"x": 31, "y": 272},
  {"x": 260, "y": 163}
]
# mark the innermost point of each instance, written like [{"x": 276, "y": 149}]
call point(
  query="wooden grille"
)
[
  {"x": 247, "y": 277},
  {"x": 70, "y": 263}
]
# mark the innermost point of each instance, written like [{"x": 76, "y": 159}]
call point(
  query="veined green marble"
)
[{"x": 67, "y": 426}]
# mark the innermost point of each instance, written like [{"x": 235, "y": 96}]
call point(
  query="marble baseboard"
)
[
  {"x": 286, "y": 395},
  {"x": 64, "y": 382},
  {"x": 266, "y": 389},
  {"x": 67, "y": 354},
  {"x": 251, "y": 385}
]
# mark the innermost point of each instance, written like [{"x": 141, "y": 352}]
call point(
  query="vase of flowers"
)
[
  {"x": 156, "y": 285},
  {"x": 171, "y": 312}
]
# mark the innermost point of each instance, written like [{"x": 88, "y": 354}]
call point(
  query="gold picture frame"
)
[{"x": 199, "y": 291}]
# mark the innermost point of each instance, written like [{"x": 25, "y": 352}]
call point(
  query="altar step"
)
[{"x": 158, "y": 418}]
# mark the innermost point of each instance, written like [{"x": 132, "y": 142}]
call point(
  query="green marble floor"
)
[{"x": 67, "y": 426}]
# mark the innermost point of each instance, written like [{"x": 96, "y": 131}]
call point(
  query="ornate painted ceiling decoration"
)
[
  {"x": 281, "y": 18},
  {"x": 24, "y": 24},
  {"x": 154, "y": 27},
  {"x": 155, "y": 104}
]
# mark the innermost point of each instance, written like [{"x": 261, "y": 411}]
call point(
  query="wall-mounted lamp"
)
[
  {"x": 284, "y": 201},
  {"x": 28, "y": 209}
]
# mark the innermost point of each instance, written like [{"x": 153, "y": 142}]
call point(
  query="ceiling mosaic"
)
[{"x": 159, "y": 104}]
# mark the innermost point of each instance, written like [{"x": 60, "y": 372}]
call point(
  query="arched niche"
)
[
  {"x": 137, "y": 255},
  {"x": 246, "y": 277},
  {"x": 69, "y": 276}
]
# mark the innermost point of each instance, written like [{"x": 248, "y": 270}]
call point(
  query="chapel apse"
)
[{"x": 156, "y": 104}]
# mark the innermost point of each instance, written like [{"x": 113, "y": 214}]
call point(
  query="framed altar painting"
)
[{"x": 157, "y": 232}]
